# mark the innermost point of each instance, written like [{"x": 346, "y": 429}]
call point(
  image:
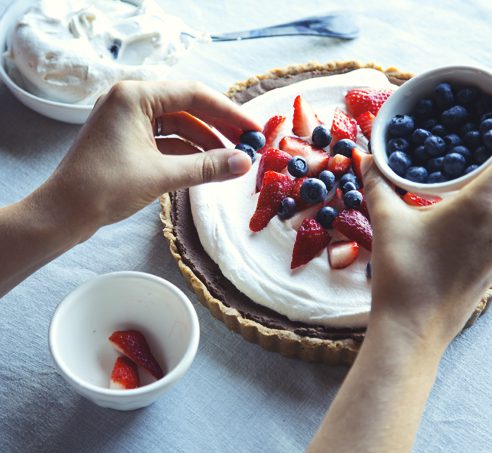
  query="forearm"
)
[
  {"x": 378, "y": 407},
  {"x": 36, "y": 230}
]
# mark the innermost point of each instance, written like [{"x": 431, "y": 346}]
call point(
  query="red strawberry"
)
[
  {"x": 355, "y": 226},
  {"x": 296, "y": 194},
  {"x": 272, "y": 159},
  {"x": 339, "y": 164},
  {"x": 275, "y": 188},
  {"x": 305, "y": 120},
  {"x": 337, "y": 200},
  {"x": 362, "y": 100},
  {"x": 124, "y": 374},
  {"x": 342, "y": 254},
  {"x": 357, "y": 156},
  {"x": 363, "y": 207},
  {"x": 132, "y": 343},
  {"x": 365, "y": 120},
  {"x": 310, "y": 240},
  {"x": 415, "y": 200},
  {"x": 271, "y": 130},
  {"x": 317, "y": 159},
  {"x": 343, "y": 126}
]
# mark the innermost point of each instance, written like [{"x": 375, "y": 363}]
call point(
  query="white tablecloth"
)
[{"x": 236, "y": 396}]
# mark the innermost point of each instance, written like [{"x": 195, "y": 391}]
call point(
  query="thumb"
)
[{"x": 213, "y": 165}]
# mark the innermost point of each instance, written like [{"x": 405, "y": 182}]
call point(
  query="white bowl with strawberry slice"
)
[{"x": 123, "y": 339}]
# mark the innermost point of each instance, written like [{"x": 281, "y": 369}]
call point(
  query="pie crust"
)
[{"x": 309, "y": 343}]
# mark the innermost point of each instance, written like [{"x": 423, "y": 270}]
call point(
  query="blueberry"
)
[
  {"x": 326, "y": 215},
  {"x": 352, "y": 199},
  {"x": 419, "y": 135},
  {"x": 399, "y": 162},
  {"x": 485, "y": 125},
  {"x": 439, "y": 130},
  {"x": 419, "y": 155},
  {"x": 398, "y": 144},
  {"x": 452, "y": 140},
  {"x": 480, "y": 155},
  {"x": 417, "y": 174},
  {"x": 454, "y": 116},
  {"x": 287, "y": 208},
  {"x": 467, "y": 127},
  {"x": 487, "y": 139},
  {"x": 453, "y": 165},
  {"x": 349, "y": 177},
  {"x": 297, "y": 167},
  {"x": 321, "y": 136},
  {"x": 424, "y": 108},
  {"x": 470, "y": 168},
  {"x": 401, "y": 126},
  {"x": 467, "y": 95},
  {"x": 344, "y": 147},
  {"x": 472, "y": 139},
  {"x": 434, "y": 165},
  {"x": 483, "y": 105},
  {"x": 486, "y": 116},
  {"x": 328, "y": 178},
  {"x": 348, "y": 186},
  {"x": 443, "y": 95},
  {"x": 435, "y": 146},
  {"x": 429, "y": 124},
  {"x": 248, "y": 150},
  {"x": 115, "y": 49},
  {"x": 463, "y": 150},
  {"x": 255, "y": 139},
  {"x": 436, "y": 176},
  {"x": 368, "y": 270},
  {"x": 313, "y": 191}
]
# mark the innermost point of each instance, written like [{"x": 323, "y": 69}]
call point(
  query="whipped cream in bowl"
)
[{"x": 59, "y": 57}]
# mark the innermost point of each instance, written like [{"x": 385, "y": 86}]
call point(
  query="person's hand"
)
[
  {"x": 430, "y": 265},
  {"x": 116, "y": 166}
]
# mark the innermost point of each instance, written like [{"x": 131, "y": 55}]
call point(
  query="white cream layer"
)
[
  {"x": 73, "y": 51},
  {"x": 258, "y": 264}
]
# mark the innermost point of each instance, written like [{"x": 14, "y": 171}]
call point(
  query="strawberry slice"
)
[
  {"x": 272, "y": 159},
  {"x": 363, "y": 207},
  {"x": 339, "y": 164},
  {"x": 296, "y": 194},
  {"x": 355, "y": 226},
  {"x": 365, "y": 120},
  {"x": 124, "y": 375},
  {"x": 343, "y": 126},
  {"x": 357, "y": 156},
  {"x": 362, "y": 100},
  {"x": 342, "y": 254},
  {"x": 310, "y": 240},
  {"x": 271, "y": 130},
  {"x": 317, "y": 159},
  {"x": 133, "y": 344},
  {"x": 304, "y": 120},
  {"x": 416, "y": 200},
  {"x": 275, "y": 188}
]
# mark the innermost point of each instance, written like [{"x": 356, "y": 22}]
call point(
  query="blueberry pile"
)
[
  {"x": 446, "y": 135},
  {"x": 250, "y": 142}
]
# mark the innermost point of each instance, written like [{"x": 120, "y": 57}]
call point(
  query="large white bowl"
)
[
  {"x": 68, "y": 113},
  {"x": 402, "y": 102},
  {"x": 83, "y": 321}
]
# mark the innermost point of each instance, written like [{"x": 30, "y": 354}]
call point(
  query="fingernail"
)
[
  {"x": 239, "y": 163},
  {"x": 366, "y": 163}
]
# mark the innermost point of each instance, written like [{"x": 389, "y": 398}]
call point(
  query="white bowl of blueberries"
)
[{"x": 434, "y": 134}]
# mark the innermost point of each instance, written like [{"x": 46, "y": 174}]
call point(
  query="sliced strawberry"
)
[
  {"x": 272, "y": 159},
  {"x": 362, "y": 100},
  {"x": 275, "y": 188},
  {"x": 357, "y": 156},
  {"x": 304, "y": 120},
  {"x": 363, "y": 207},
  {"x": 343, "y": 126},
  {"x": 416, "y": 200},
  {"x": 342, "y": 254},
  {"x": 124, "y": 375},
  {"x": 355, "y": 226},
  {"x": 296, "y": 194},
  {"x": 317, "y": 159},
  {"x": 337, "y": 200},
  {"x": 310, "y": 240},
  {"x": 271, "y": 130},
  {"x": 339, "y": 164},
  {"x": 365, "y": 120},
  {"x": 132, "y": 343}
]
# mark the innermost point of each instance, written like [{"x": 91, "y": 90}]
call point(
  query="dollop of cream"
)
[
  {"x": 74, "y": 51},
  {"x": 258, "y": 264}
]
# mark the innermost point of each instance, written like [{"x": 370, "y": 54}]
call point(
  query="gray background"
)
[{"x": 236, "y": 397}]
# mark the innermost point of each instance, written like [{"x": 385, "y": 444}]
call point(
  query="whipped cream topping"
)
[
  {"x": 258, "y": 264},
  {"x": 74, "y": 51}
]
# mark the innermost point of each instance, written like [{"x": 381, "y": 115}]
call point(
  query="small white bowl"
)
[
  {"x": 67, "y": 113},
  {"x": 83, "y": 321},
  {"x": 402, "y": 101}
]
